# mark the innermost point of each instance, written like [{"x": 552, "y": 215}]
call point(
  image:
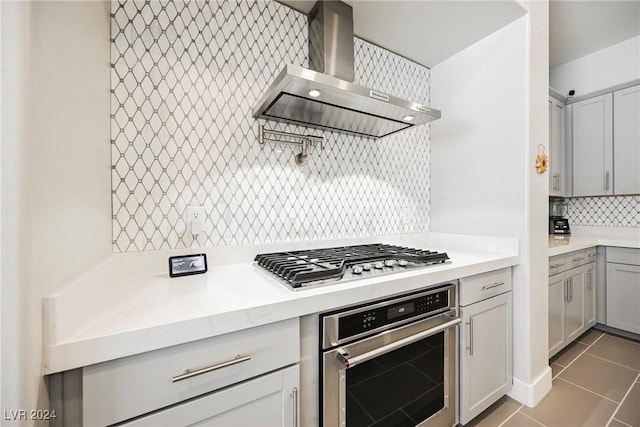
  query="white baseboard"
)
[{"x": 532, "y": 394}]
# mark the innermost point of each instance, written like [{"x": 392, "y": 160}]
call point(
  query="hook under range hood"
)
[{"x": 324, "y": 97}]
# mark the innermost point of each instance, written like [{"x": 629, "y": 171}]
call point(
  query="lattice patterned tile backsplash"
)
[
  {"x": 622, "y": 211},
  {"x": 184, "y": 78}
]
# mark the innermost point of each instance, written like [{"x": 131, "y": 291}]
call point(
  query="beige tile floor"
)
[{"x": 596, "y": 382}]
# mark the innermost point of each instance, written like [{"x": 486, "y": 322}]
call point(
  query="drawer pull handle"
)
[
  {"x": 494, "y": 285},
  {"x": 578, "y": 259},
  {"x": 188, "y": 374},
  {"x": 556, "y": 265}
]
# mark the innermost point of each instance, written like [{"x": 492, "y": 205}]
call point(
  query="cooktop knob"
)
[
  {"x": 366, "y": 266},
  {"x": 356, "y": 269},
  {"x": 389, "y": 262},
  {"x": 403, "y": 263},
  {"x": 378, "y": 265}
]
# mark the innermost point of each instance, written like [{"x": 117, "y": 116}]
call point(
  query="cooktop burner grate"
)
[{"x": 316, "y": 266}]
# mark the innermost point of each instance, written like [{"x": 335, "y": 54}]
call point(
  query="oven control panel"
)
[{"x": 380, "y": 315}]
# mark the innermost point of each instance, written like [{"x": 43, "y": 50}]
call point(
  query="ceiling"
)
[
  {"x": 433, "y": 30},
  {"x": 577, "y": 28},
  {"x": 429, "y": 31}
]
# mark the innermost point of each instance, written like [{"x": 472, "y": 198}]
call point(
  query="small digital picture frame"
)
[{"x": 186, "y": 265}]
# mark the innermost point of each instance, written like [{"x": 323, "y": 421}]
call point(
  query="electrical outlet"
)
[
  {"x": 195, "y": 213},
  {"x": 195, "y": 219},
  {"x": 407, "y": 215}
]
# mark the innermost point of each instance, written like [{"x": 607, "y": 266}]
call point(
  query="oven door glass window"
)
[{"x": 402, "y": 388}]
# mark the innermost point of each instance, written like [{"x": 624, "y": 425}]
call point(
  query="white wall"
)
[
  {"x": 607, "y": 67},
  {"x": 477, "y": 149},
  {"x": 493, "y": 97},
  {"x": 62, "y": 174},
  {"x": 14, "y": 39}
]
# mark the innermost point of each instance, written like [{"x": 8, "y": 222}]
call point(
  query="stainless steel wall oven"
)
[{"x": 391, "y": 362}]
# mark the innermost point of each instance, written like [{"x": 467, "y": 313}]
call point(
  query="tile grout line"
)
[
  {"x": 510, "y": 416},
  {"x": 590, "y": 391},
  {"x": 621, "y": 422},
  {"x": 581, "y": 353},
  {"x": 606, "y": 360},
  {"x": 623, "y": 398},
  {"x": 628, "y": 340},
  {"x": 533, "y": 419},
  {"x": 612, "y": 362}
]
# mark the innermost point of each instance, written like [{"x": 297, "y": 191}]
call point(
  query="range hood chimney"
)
[
  {"x": 331, "y": 39},
  {"x": 325, "y": 96}
]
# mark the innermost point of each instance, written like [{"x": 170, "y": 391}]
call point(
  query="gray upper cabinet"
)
[
  {"x": 626, "y": 141},
  {"x": 557, "y": 175},
  {"x": 593, "y": 146},
  {"x": 606, "y": 144}
]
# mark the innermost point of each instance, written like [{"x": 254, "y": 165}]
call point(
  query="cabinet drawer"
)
[
  {"x": 629, "y": 256},
  {"x": 557, "y": 264},
  {"x": 263, "y": 401},
  {"x": 576, "y": 259},
  {"x": 590, "y": 254},
  {"x": 482, "y": 286},
  {"x": 121, "y": 389}
]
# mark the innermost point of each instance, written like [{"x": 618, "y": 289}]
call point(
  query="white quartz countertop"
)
[
  {"x": 587, "y": 237},
  {"x": 116, "y": 310}
]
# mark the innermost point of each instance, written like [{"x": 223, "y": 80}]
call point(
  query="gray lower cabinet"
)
[
  {"x": 269, "y": 400},
  {"x": 590, "y": 294},
  {"x": 485, "y": 341},
  {"x": 572, "y": 297},
  {"x": 574, "y": 304},
  {"x": 244, "y": 378},
  {"x": 556, "y": 313},
  {"x": 623, "y": 289}
]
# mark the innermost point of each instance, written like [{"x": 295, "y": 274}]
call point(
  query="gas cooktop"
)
[{"x": 315, "y": 267}]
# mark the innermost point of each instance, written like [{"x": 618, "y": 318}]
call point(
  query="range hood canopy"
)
[{"x": 325, "y": 97}]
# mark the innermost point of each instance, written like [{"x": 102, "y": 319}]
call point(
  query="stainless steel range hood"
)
[{"x": 325, "y": 97}]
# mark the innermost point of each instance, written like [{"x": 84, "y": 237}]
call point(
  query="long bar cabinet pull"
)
[
  {"x": 189, "y": 374},
  {"x": 571, "y": 289},
  {"x": 493, "y": 285},
  {"x": 294, "y": 394},
  {"x": 470, "y": 347}
]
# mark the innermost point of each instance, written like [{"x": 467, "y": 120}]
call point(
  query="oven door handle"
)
[{"x": 350, "y": 361}]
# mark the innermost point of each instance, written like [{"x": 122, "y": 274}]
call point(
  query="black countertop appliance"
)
[{"x": 558, "y": 223}]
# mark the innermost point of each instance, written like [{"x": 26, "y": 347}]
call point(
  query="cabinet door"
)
[
  {"x": 623, "y": 297},
  {"x": 486, "y": 355},
  {"x": 593, "y": 146},
  {"x": 590, "y": 295},
  {"x": 626, "y": 136},
  {"x": 270, "y": 400},
  {"x": 556, "y": 148},
  {"x": 574, "y": 306},
  {"x": 556, "y": 313}
]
